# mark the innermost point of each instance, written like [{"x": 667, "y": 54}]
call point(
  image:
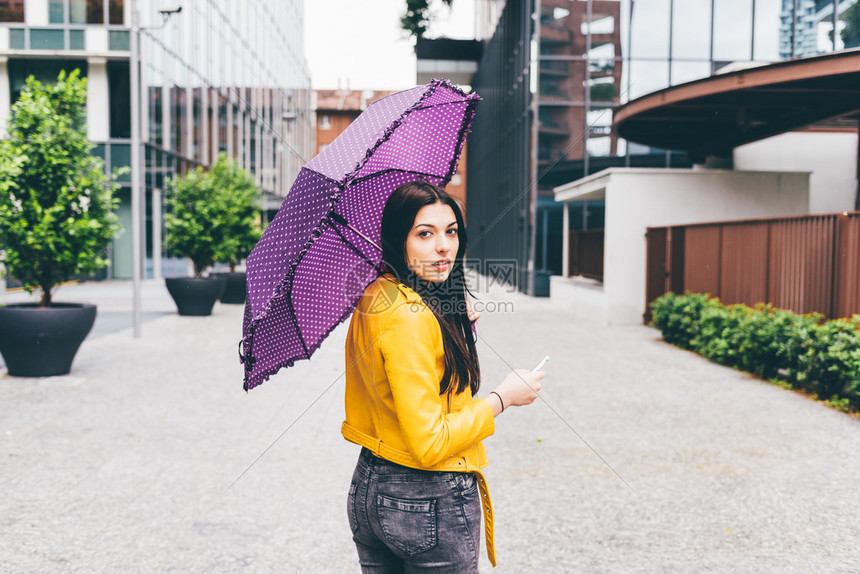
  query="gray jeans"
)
[{"x": 409, "y": 520}]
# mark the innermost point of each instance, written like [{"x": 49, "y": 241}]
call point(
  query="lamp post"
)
[{"x": 136, "y": 163}]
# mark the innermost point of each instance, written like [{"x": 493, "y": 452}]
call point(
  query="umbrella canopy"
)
[{"x": 321, "y": 250}]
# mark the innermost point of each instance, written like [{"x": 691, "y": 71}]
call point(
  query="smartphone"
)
[{"x": 541, "y": 364}]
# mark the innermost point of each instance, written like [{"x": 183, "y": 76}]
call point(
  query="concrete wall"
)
[
  {"x": 636, "y": 200},
  {"x": 36, "y": 12},
  {"x": 831, "y": 157},
  {"x": 640, "y": 198},
  {"x": 5, "y": 95},
  {"x": 584, "y": 297},
  {"x": 98, "y": 100}
]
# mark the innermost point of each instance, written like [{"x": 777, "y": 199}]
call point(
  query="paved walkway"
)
[{"x": 124, "y": 465}]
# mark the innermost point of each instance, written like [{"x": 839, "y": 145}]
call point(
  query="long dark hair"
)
[{"x": 447, "y": 299}]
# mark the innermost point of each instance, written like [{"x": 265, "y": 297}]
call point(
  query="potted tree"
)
[
  {"x": 195, "y": 223},
  {"x": 56, "y": 221},
  {"x": 241, "y": 230}
]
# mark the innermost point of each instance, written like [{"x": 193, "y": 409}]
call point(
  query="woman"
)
[{"x": 412, "y": 374}]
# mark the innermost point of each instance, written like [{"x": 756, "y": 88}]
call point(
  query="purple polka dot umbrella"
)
[{"x": 322, "y": 249}]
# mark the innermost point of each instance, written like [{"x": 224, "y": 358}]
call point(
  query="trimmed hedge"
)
[{"x": 801, "y": 351}]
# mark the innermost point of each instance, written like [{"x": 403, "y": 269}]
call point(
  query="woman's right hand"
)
[{"x": 519, "y": 388}]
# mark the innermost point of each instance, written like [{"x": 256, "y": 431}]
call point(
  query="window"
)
[
  {"x": 119, "y": 84},
  {"x": 46, "y": 71},
  {"x": 119, "y": 40},
  {"x": 599, "y": 25},
  {"x": 76, "y": 40},
  {"x": 115, "y": 12},
  {"x": 46, "y": 39},
  {"x": 78, "y": 11},
  {"x": 17, "y": 38},
  {"x": 95, "y": 12},
  {"x": 325, "y": 122},
  {"x": 56, "y": 12},
  {"x": 75, "y": 11},
  {"x": 11, "y": 10},
  {"x": 156, "y": 126}
]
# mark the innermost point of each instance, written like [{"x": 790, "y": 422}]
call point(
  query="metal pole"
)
[
  {"x": 156, "y": 233},
  {"x": 711, "y": 52},
  {"x": 135, "y": 168},
  {"x": 629, "y": 74},
  {"x": 857, "y": 178},
  {"x": 585, "y": 215},
  {"x": 565, "y": 236},
  {"x": 587, "y": 85},
  {"x": 835, "y": 22},
  {"x": 793, "y": 28},
  {"x": 752, "y": 33},
  {"x": 545, "y": 237},
  {"x": 534, "y": 67},
  {"x": 671, "y": 36},
  {"x": 671, "y": 47}
]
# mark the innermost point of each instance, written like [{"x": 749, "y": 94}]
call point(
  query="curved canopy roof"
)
[{"x": 714, "y": 115}]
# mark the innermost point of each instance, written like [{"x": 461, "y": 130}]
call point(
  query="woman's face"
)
[{"x": 432, "y": 243}]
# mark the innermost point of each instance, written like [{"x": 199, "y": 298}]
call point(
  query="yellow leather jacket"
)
[{"x": 394, "y": 363}]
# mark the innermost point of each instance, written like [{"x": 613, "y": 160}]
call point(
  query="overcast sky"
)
[{"x": 361, "y": 42}]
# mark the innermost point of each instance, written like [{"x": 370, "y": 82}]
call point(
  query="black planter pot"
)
[
  {"x": 42, "y": 342},
  {"x": 195, "y": 297},
  {"x": 235, "y": 290}
]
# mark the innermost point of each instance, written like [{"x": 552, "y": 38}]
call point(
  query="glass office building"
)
[
  {"x": 220, "y": 76},
  {"x": 565, "y": 65}
]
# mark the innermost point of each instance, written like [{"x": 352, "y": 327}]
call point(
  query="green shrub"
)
[
  {"x": 800, "y": 351},
  {"x": 56, "y": 203},
  {"x": 242, "y": 228},
  {"x": 830, "y": 364},
  {"x": 677, "y": 316},
  {"x": 720, "y": 337},
  {"x": 773, "y": 340},
  {"x": 211, "y": 216}
]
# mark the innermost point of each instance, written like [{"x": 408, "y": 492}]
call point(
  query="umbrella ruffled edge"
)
[
  {"x": 247, "y": 341},
  {"x": 389, "y": 131},
  {"x": 269, "y": 373}
]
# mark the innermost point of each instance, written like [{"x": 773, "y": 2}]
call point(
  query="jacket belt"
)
[{"x": 453, "y": 464}]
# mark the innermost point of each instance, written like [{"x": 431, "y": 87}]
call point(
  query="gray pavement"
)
[{"x": 126, "y": 464}]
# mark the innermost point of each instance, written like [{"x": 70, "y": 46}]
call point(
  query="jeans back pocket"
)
[{"x": 408, "y": 525}]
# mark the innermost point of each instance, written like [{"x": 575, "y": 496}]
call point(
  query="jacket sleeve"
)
[{"x": 409, "y": 342}]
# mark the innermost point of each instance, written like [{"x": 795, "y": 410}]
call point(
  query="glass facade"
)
[
  {"x": 668, "y": 42},
  {"x": 226, "y": 76},
  {"x": 597, "y": 54},
  {"x": 85, "y": 12},
  {"x": 11, "y": 10},
  {"x": 592, "y": 56},
  {"x": 579, "y": 79},
  {"x": 220, "y": 76},
  {"x": 231, "y": 77},
  {"x": 636, "y": 48}
]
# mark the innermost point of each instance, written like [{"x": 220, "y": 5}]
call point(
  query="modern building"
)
[
  {"x": 553, "y": 74},
  {"x": 218, "y": 76},
  {"x": 772, "y": 200},
  {"x": 546, "y": 118},
  {"x": 806, "y": 27}
]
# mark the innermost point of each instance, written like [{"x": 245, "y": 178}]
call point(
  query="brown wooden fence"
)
[
  {"x": 586, "y": 253},
  {"x": 805, "y": 264}
]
